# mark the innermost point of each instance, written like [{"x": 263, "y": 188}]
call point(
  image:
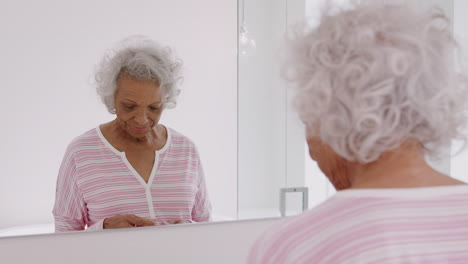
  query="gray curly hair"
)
[
  {"x": 376, "y": 74},
  {"x": 142, "y": 59}
]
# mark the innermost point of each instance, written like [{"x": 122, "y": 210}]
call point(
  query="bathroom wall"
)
[
  {"x": 458, "y": 164},
  {"x": 268, "y": 128}
]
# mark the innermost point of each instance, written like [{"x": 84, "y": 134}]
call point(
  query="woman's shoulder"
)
[
  {"x": 179, "y": 139},
  {"x": 90, "y": 137},
  {"x": 355, "y": 214},
  {"x": 309, "y": 229}
]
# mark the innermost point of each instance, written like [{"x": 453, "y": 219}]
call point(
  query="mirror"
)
[
  {"x": 50, "y": 51},
  {"x": 235, "y": 108}
]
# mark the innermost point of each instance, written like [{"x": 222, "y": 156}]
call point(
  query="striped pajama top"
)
[
  {"x": 96, "y": 181},
  {"x": 384, "y": 226}
]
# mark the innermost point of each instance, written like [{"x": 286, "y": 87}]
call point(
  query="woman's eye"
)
[
  {"x": 129, "y": 107},
  {"x": 153, "y": 108}
]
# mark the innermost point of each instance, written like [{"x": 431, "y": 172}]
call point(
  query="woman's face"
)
[
  {"x": 331, "y": 164},
  {"x": 138, "y": 105}
]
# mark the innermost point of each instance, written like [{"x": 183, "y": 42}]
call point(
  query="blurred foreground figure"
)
[{"x": 377, "y": 89}]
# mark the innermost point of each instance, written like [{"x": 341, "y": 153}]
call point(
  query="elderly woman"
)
[
  {"x": 132, "y": 171},
  {"x": 377, "y": 91}
]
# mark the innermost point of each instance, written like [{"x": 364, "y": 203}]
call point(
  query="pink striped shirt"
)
[
  {"x": 385, "y": 226},
  {"x": 96, "y": 181}
]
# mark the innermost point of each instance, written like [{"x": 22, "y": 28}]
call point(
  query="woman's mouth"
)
[{"x": 139, "y": 129}]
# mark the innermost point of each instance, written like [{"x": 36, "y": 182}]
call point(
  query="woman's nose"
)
[{"x": 141, "y": 117}]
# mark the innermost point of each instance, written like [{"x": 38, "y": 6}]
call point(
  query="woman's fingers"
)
[
  {"x": 139, "y": 221},
  {"x": 131, "y": 220},
  {"x": 125, "y": 221},
  {"x": 117, "y": 221},
  {"x": 175, "y": 222}
]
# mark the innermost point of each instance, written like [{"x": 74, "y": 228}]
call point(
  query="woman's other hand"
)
[
  {"x": 176, "y": 222},
  {"x": 125, "y": 221}
]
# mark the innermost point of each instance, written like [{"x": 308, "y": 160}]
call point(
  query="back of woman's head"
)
[{"x": 374, "y": 75}]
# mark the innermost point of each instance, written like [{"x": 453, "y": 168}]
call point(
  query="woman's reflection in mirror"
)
[{"x": 132, "y": 171}]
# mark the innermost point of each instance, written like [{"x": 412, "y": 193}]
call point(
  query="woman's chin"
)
[{"x": 137, "y": 135}]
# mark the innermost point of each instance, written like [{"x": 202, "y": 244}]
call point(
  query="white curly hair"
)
[
  {"x": 376, "y": 74},
  {"x": 143, "y": 59}
]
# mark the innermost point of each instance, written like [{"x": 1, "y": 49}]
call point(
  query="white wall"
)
[
  {"x": 261, "y": 112},
  {"x": 49, "y": 50},
  {"x": 458, "y": 165},
  {"x": 223, "y": 242},
  {"x": 443, "y": 164},
  {"x": 269, "y": 137}
]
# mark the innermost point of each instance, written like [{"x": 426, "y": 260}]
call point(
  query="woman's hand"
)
[
  {"x": 125, "y": 221},
  {"x": 176, "y": 222}
]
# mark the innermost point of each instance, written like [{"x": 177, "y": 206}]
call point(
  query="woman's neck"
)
[
  {"x": 403, "y": 167},
  {"x": 153, "y": 139}
]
